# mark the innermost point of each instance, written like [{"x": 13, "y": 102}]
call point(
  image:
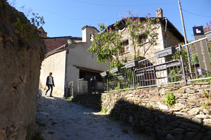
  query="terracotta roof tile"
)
[{"x": 53, "y": 43}]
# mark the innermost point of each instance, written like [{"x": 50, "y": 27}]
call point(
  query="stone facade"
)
[
  {"x": 171, "y": 39},
  {"x": 150, "y": 52},
  {"x": 146, "y": 111}
]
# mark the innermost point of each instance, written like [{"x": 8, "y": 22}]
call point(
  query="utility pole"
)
[{"x": 185, "y": 38}]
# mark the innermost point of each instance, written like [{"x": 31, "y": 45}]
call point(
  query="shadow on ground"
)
[
  {"x": 89, "y": 100},
  {"x": 159, "y": 124},
  {"x": 59, "y": 119}
]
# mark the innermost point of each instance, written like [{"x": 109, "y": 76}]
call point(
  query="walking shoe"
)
[{"x": 51, "y": 96}]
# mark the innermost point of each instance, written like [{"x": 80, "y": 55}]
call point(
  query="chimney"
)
[
  {"x": 159, "y": 13},
  {"x": 85, "y": 34},
  {"x": 88, "y": 32}
]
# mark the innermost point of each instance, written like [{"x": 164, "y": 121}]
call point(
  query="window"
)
[
  {"x": 199, "y": 71},
  {"x": 128, "y": 49},
  {"x": 142, "y": 39},
  {"x": 41, "y": 33},
  {"x": 126, "y": 46}
]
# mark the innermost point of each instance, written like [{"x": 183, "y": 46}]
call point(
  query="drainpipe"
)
[
  {"x": 69, "y": 42},
  {"x": 166, "y": 21}
]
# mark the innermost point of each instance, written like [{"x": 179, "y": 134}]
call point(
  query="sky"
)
[{"x": 67, "y": 17}]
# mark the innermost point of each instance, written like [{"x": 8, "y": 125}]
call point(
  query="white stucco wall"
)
[
  {"x": 55, "y": 64},
  {"x": 79, "y": 56}
]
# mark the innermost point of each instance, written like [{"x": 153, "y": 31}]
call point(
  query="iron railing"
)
[{"x": 156, "y": 71}]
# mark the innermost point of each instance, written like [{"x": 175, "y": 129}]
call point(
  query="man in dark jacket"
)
[{"x": 50, "y": 83}]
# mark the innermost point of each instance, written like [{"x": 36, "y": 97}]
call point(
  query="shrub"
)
[
  {"x": 170, "y": 99},
  {"x": 104, "y": 110}
]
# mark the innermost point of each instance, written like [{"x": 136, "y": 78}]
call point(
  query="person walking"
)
[{"x": 50, "y": 84}]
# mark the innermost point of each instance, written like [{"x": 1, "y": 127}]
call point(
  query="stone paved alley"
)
[{"x": 59, "y": 119}]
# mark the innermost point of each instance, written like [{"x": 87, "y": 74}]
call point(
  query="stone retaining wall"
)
[{"x": 147, "y": 112}]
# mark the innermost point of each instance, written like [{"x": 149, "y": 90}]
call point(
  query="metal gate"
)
[{"x": 82, "y": 87}]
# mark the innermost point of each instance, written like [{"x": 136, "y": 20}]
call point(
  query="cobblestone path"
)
[{"x": 59, "y": 119}]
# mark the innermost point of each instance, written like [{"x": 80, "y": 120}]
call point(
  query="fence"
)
[
  {"x": 187, "y": 63},
  {"x": 85, "y": 87},
  {"x": 82, "y": 87}
]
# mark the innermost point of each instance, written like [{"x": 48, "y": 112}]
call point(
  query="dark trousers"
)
[{"x": 49, "y": 87}]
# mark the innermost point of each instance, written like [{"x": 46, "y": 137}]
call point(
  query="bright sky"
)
[{"x": 67, "y": 17}]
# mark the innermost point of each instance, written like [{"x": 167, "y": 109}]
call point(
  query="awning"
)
[{"x": 87, "y": 69}]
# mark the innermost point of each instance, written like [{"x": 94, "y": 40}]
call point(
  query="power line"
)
[
  {"x": 195, "y": 14},
  {"x": 120, "y": 5},
  {"x": 167, "y": 13},
  {"x": 74, "y": 18}
]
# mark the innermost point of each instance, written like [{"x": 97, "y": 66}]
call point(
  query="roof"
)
[
  {"x": 170, "y": 26},
  {"x": 53, "y": 43},
  {"x": 89, "y": 27},
  {"x": 87, "y": 69},
  {"x": 41, "y": 29}
]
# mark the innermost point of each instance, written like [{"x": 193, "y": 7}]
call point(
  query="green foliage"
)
[
  {"x": 204, "y": 76},
  {"x": 37, "y": 20},
  {"x": 22, "y": 29},
  {"x": 174, "y": 74},
  {"x": 117, "y": 87},
  {"x": 194, "y": 58},
  {"x": 115, "y": 63},
  {"x": 147, "y": 27},
  {"x": 104, "y": 110},
  {"x": 108, "y": 44},
  {"x": 25, "y": 29},
  {"x": 70, "y": 99},
  {"x": 170, "y": 98},
  {"x": 184, "y": 56}
]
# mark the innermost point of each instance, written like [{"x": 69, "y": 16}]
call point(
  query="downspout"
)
[
  {"x": 65, "y": 75},
  {"x": 69, "y": 42},
  {"x": 166, "y": 21}
]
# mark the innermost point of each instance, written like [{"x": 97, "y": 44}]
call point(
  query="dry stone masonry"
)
[{"x": 147, "y": 112}]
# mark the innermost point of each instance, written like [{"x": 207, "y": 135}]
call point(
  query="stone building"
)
[
  {"x": 166, "y": 38},
  {"x": 168, "y": 35},
  {"x": 68, "y": 59}
]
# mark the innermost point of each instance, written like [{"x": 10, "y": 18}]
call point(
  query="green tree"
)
[
  {"x": 147, "y": 27},
  {"x": 108, "y": 44}
]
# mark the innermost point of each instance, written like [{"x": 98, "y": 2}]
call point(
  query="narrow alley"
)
[{"x": 59, "y": 119}]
